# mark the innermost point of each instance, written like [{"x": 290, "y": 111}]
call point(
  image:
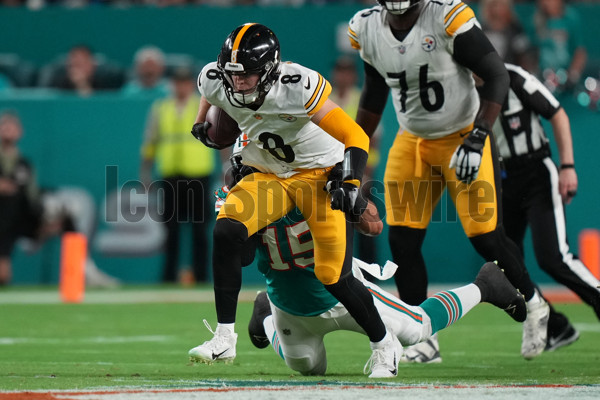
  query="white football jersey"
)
[
  {"x": 282, "y": 137},
  {"x": 432, "y": 94}
]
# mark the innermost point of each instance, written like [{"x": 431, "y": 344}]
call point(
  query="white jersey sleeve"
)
[
  {"x": 433, "y": 95},
  {"x": 282, "y": 138}
]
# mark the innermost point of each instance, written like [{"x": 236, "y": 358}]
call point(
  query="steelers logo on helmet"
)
[
  {"x": 398, "y": 7},
  {"x": 249, "y": 54}
]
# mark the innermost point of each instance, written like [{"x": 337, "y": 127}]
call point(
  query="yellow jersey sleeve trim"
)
[
  {"x": 451, "y": 12},
  {"x": 353, "y": 39},
  {"x": 321, "y": 93},
  {"x": 343, "y": 128},
  {"x": 459, "y": 20}
]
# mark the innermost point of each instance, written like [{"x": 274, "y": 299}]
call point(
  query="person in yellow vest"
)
[{"x": 184, "y": 167}]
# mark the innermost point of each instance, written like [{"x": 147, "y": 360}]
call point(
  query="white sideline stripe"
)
[
  {"x": 205, "y": 295},
  {"x": 371, "y": 391},
  {"x": 120, "y": 296},
  {"x": 574, "y": 265},
  {"x": 97, "y": 340}
]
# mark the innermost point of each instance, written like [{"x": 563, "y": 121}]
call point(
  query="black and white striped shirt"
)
[{"x": 518, "y": 129}]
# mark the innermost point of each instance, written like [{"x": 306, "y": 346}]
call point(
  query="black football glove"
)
[
  {"x": 334, "y": 179},
  {"x": 199, "y": 132},
  {"x": 348, "y": 198},
  {"x": 467, "y": 157}
]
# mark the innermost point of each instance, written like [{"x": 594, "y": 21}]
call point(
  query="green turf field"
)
[{"x": 56, "y": 346}]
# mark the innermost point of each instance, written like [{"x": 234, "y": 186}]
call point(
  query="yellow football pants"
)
[
  {"x": 417, "y": 173},
  {"x": 261, "y": 199}
]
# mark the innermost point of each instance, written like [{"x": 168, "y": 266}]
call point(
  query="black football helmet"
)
[
  {"x": 249, "y": 49},
  {"x": 398, "y": 7}
]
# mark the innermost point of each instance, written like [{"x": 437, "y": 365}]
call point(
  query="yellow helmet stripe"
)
[{"x": 238, "y": 39}]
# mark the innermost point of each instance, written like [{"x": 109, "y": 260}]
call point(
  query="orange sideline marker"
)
[
  {"x": 72, "y": 267},
  {"x": 589, "y": 250}
]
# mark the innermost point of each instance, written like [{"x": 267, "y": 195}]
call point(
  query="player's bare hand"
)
[{"x": 567, "y": 184}]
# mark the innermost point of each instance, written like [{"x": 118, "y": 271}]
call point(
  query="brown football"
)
[{"x": 223, "y": 130}]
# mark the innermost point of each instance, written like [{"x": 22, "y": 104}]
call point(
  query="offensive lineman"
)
[
  {"x": 425, "y": 50},
  {"x": 296, "y": 134}
]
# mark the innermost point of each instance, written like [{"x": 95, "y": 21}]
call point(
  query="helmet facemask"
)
[
  {"x": 398, "y": 7},
  {"x": 252, "y": 96}
]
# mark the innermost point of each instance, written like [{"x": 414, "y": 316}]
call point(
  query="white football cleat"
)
[
  {"x": 383, "y": 362},
  {"x": 221, "y": 348},
  {"x": 427, "y": 352},
  {"x": 535, "y": 329}
]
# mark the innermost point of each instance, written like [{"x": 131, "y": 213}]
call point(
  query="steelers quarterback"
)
[
  {"x": 426, "y": 51},
  {"x": 296, "y": 135}
]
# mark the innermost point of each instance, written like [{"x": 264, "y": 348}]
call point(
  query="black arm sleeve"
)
[
  {"x": 473, "y": 50},
  {"x": 375, "y": 91}
]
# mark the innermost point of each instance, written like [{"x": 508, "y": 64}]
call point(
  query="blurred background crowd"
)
[{"x": 151, "y": 106}]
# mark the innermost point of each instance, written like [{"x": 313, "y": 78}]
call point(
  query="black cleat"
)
[
  {"x": 256, "y": 330},
  {"x": 560, "y": 332},
  {"x": 497, "y": 290}
]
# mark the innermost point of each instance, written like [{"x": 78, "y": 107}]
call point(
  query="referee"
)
[{"x": 534, "y": 190}]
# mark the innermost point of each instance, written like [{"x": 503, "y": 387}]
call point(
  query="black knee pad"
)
[{"x": 227, "y": 229}]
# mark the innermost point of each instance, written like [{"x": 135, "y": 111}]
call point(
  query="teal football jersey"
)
[{"x": 285, "y": 257}]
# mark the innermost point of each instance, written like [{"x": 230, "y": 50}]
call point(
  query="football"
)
[{"x": 223, "y": 130}]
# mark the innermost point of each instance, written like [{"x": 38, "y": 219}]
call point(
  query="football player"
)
[
  {"x": 296, "y": 135},
  {"x": 298, "y": 311},
  {"x": 425, "y": 51}
]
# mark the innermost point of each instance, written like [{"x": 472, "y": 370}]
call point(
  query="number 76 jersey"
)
[
  {"x": 433, "y": 95},
  {"x": 282, "y": 137}
]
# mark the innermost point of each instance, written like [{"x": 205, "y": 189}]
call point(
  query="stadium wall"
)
[{"x": 76, "y": 142}]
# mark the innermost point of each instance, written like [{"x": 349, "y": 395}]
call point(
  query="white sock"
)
[
  {"x": 535, "y": 299},
  {"x": 272, "y": 335},
  {"x": 269, "y": 327},
  {"x": 469, "y": 296},
  {"x": 382, "y": 342},
  {"x": 225, "y": 328}
]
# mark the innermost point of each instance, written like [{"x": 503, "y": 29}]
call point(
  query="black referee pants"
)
[{"x": 530, "y": 197}]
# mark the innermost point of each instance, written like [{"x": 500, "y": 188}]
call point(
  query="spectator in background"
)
[
  {"x": 345, "y": 92},
  {"x": 185, "y": 167},
  {"x": 83, "y": 75},
  {"x": 149, "y": 78},
  {"x": 503, "y": 29},
  {"x": 562, "y": 55},
  {"x": 19, "y": 194}
]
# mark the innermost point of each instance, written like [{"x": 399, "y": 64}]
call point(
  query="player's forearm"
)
[
  {"x": 368, "y": 121},
  {"x": 562, "y": 135},
  {"x": 487, "y": 114},
  {"x": 202, "y": 110},
  {"x": 339, "y": 125}
]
